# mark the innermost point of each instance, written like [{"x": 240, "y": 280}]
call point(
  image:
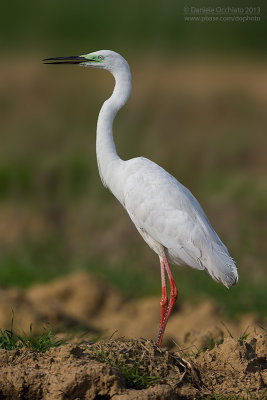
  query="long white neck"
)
[{"x": 107, "y": 158}]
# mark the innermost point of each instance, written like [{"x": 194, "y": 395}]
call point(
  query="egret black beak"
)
[{"x": 66, "y": 60}]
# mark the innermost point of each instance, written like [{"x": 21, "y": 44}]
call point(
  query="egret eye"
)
[{"x": 100, "y": 57}]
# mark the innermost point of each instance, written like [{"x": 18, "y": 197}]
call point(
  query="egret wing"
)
[
  {"x": 165, "y": 209},
  {"x": 168, "y": 212}
]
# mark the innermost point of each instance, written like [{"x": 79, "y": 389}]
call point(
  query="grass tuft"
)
[
  {"x": 135, "y": 377},
  {"x": 10, "y": 340},
  {"x": 244, "y": 335},
  {"x": 142, "y": 363}
]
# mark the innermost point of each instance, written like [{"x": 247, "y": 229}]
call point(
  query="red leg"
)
[
  {"x": 173, "y": 298},
  {"x": 164, "y": 298}
]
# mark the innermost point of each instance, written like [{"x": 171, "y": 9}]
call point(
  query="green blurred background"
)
[{"x": 198, "y": 108}]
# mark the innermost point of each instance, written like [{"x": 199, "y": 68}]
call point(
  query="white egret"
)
[{"x": 165, "y": 213}]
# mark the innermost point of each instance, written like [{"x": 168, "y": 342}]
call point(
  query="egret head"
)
[{"x": 105, "y": 59}]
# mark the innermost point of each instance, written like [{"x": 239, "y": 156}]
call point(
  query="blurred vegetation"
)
[
  {"x": 150, "y": 26},
  {"x": 202, "y": 117}
]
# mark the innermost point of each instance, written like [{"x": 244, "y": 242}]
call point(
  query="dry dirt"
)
[{"x": 201, "y": 358}]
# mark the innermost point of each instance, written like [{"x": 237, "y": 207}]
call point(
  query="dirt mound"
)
[
  {"x": 70, "y": 303},
  {"x": 122, "y": 370},
  {"x": 236, "y": 366},
  {"x": 207, "y": 357},
  {"x": 83, "y": 303},
  {"x": 64, "y": 373}
]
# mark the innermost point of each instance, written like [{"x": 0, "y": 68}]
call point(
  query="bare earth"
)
[{"x": 203, "y": 357}]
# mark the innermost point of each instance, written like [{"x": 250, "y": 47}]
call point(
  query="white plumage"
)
[{"x": 165, "y": 212}]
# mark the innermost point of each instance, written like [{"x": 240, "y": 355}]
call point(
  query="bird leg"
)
[
  {"x": 164, "y": 298},
  {"x": 173, "y": 298}
]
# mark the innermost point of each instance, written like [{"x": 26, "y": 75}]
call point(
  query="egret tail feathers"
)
[{"x": 221, "y": 266}]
